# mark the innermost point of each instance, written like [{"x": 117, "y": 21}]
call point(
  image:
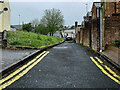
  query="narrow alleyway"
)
[{"x": 66, "y": 66}]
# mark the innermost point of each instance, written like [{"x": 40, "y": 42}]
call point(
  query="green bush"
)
[
  {"x": 28, "y": 27},
  {"x": 117, "y": 43}
]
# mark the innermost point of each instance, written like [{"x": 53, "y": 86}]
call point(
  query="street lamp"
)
[
  {"x": 86, "y": 6},
  {"x": 19, "y": 21}
]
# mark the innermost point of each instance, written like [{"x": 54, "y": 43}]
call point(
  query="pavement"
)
[
  {"x": 9, "y": 57},
  {"x": 67, "y": 66},
  {"x": 113, "y": 54}
]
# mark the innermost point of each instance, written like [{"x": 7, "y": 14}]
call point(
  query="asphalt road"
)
[{"x": 66, "y": 66}]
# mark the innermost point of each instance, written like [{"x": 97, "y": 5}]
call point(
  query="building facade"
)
[
  {"x": 93, "y": 34},
  {"x": 4, "y": 15}
]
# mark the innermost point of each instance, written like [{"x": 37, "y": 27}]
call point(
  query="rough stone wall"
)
[
  {"x": 81, "y": 35},
  {"x": 94, "y": 12},
  {"x": 86, "y": 34},
  {"x": 95, "y": 34}
]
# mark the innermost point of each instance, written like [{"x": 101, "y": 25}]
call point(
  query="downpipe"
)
[{"x": 101, "y": 31}]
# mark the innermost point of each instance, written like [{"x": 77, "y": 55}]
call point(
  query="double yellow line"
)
[
  {"x": 101, "y": 65},
  {"x": 28, "y": 67}
]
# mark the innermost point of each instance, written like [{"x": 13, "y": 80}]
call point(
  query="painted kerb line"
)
[
  {"x": 102, "y": 69},
  {"x": 20, "y": 69},
  {"x": 110, "y": 70},
  {"x": 22, "y": 73}
]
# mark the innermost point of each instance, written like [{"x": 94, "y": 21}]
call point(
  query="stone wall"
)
[
  {"x": 112, "y": 32},
  {"x": 86, "y": 34}
]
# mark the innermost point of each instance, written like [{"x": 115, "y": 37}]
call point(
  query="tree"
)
[
  {"x": 52, "y": 20},
  {"x": 35, "y": 23},
  {"x": 27, "y": 27},
  {"x": 41, "y": 29}
]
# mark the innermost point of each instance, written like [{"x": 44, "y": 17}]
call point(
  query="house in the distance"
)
[
  {"x": 15, "y": 27},
  {"x": 4, "y": 15}
]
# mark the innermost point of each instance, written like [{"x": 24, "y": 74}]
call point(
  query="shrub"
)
[{"x": 117, "y": 43}]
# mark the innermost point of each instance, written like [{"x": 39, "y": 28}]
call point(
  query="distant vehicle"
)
[{"x": 68, "y": 38}]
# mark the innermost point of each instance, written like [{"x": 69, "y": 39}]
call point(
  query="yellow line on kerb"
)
[
  {"x": 102, "y": 69},
  {"x": 98, "y": 59},
  {"x": 22, "y": 73},
  {"x": 111, "y": 71},
  {"x": 20, "y": 69}
]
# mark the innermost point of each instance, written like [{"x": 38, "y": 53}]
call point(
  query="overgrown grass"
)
[{"x": 28, "y": 39}]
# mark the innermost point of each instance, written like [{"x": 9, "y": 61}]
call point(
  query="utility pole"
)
[
  {"x": 19, "y": 21},
  {"x": 86, "y": 7}
]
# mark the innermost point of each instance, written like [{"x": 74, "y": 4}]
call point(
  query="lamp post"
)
[
  {"x": 19, "y": 21},
  {"x": 86, "y": 6}
]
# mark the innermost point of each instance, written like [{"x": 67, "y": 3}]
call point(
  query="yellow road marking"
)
[
  {"x": 102, "y": 69},
  {"x": 114, "y": 74},
  {"x": 22, "y": 73},
  {"x": 111, "y": 71},
  {"x": 20, "y": 69},
  {"x": 98, "y": 59}
]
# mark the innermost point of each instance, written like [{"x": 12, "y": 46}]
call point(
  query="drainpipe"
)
[
  {"x": 76, "y": 25},
  {"x": 100, "y": 30},
  {"x": 102, "y": 25}
]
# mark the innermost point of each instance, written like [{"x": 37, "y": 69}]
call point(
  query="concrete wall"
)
[{"x": 5, "y": 16}]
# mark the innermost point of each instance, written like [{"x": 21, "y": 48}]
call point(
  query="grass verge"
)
[{"x": 29, "y": 39}]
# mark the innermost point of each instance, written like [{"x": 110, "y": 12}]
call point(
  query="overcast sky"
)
[{"x": 72, "y": 11}]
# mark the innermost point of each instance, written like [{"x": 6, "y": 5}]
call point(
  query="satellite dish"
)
[{"x": 5, "y": 9}]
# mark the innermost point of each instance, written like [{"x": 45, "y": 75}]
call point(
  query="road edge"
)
[
  {"x": 109, "y": 60},
  {"x": 23, "y": 60}
]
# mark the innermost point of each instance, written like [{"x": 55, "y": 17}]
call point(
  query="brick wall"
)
[
  {"x": 110, "y": 9},
  {"x": 112, "y": 29}
]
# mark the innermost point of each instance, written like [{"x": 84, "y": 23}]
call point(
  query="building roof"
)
[
  {"x": 16, "y": 26},
  {"x": 89, "y": 13},
  {"x": 97, "y": 4}
]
